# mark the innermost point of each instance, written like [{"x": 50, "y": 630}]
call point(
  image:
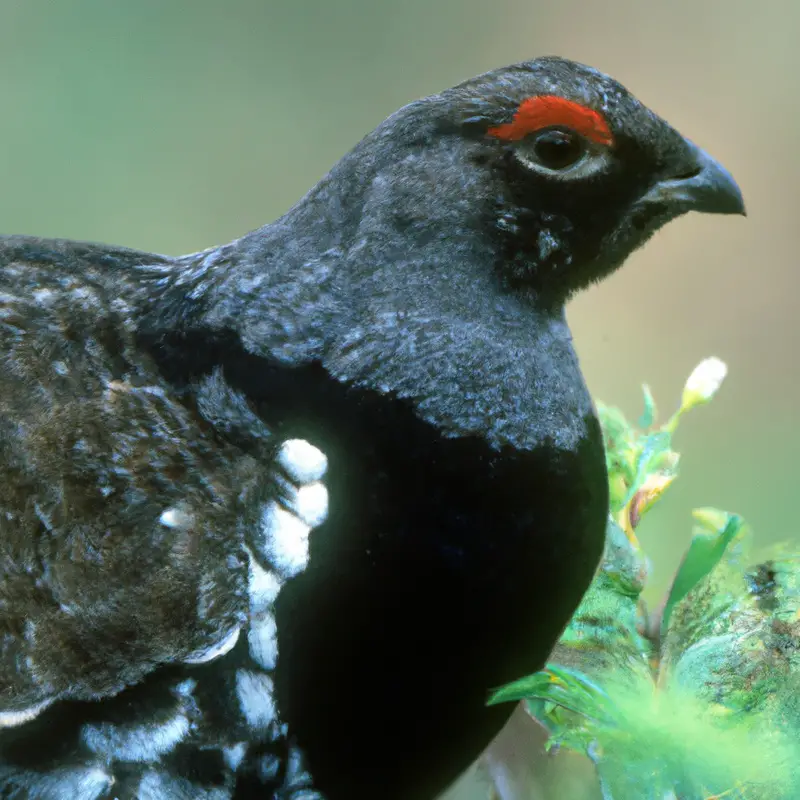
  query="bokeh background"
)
[{"x": 170, "y": 125}]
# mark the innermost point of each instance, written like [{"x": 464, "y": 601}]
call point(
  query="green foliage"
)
[
  {"x": 708, "y": 546},
  {"x": 697, "y": 701}
]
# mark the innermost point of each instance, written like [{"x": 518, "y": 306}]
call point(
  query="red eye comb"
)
[{"x": 545, "y": 111}]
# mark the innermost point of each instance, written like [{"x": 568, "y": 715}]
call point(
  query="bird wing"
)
[
  {"x": 118, "y": 517},
  {"x": 125, "y": 576}
]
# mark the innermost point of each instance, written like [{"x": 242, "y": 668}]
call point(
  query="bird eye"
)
[{"x": 558, "y": 149}]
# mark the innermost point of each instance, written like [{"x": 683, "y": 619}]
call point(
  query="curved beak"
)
[{"x": 704, "y": 186}]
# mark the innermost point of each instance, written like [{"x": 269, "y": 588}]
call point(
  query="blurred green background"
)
[{"x": 170, "y": 126}]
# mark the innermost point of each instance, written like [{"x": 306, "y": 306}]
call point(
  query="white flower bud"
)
[{"x": 703, "y": 383}]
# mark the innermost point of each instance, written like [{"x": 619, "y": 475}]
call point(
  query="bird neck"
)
[
  {"x": 388, "y": 278},
  {"x": 421, "y": 220}
]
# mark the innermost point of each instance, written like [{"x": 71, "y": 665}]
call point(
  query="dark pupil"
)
[{"x": 557, "y": 149}]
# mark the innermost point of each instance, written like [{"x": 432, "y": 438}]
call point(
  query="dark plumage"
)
[{"x": 407, "y": 319}]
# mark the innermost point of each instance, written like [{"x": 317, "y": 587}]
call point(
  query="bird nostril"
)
[{"x": 688, "y": 175}]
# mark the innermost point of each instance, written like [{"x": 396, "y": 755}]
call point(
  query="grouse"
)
[{"x": 275, "y": 517}]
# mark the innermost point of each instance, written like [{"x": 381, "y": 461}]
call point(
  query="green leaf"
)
[
  {"x": 704, "y": 553},
  {"x": 529, "y": 686},
  {"x": 653, "y": 449},
  {"x": 649, "y": 414},
  {"x": 564, "y": 687}
]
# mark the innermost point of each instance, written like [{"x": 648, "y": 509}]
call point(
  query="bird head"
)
[{"x": 560, "y": 170}]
